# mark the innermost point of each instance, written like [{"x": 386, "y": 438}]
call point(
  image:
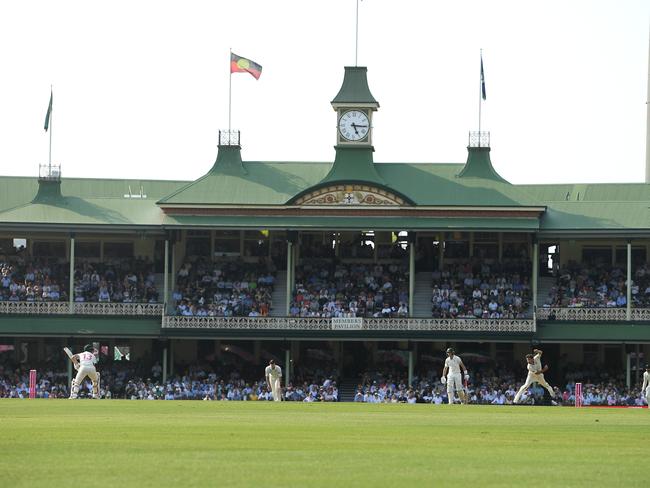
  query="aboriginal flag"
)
[{"x": 243, "y": 65}]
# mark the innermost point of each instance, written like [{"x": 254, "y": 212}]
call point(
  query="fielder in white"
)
[
  {"x": 85, "y": 365},
  {"x": 645, "y": 389},
  {"x": 454, "y": 380},
  {"x": 535, "y": 375},
  {"x": 273, "y": 374}
]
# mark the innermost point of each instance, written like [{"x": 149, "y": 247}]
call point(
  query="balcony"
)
[
  {"x": 83, "y": 308},
  {"x": 584, "y": 314},
  {"x": 353, "y": 324}
]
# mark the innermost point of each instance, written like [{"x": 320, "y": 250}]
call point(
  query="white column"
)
[
  {"x": 535, "y": 275},
  {"x": 628, "y": 311},
  {"x": 411, "y": 274},
  {"x": 71, "y": 280},
  {"x": 173, "y": 270},
  {"x": 410, "y": 368},
  {"x": 289, "y": 277},
  {"x": 166, "y": 280}
]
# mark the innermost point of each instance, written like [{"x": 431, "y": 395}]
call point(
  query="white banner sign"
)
[{"x": 352, "y": 323}]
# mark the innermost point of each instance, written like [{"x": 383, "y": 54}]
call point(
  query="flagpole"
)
[
  {"x": 480, "y": 100},
  {"x": 229, "y": 94},
  {"x": 49, "y": 164},
  {"x": 356, "y": 44}
]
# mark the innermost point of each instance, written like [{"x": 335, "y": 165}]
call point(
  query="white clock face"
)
[{"x": 354, "y": 125}]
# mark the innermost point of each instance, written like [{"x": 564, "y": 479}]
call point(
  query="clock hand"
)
[{"x": 354, "y": 126}]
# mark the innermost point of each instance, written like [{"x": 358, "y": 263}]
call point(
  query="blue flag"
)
[
  {"x": 48, "y": 115},
  {"x": 482, "y": 79}
]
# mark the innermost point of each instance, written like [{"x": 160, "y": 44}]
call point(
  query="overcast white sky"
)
[{"x": 141, "y": 87}]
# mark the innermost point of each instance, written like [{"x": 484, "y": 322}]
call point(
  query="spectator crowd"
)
[
  {"x": 125, "y": 281},
  {"x": 335, "y": 289},
  {"x": 599, "y": 286},
  {"x": 228, "y": 288},
  {"x": 38, "y": 280},
  {"x": 481, "y": 290},
  {"x": 43, "y": 280}
]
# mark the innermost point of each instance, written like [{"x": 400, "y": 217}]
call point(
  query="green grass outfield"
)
[{"x": 120, "y": 443}]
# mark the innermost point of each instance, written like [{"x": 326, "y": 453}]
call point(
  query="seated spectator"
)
[
  {"x": 481, "y": 290},
  {"x": 329, "y": 289},
  {"x": 226, "y": 288}
]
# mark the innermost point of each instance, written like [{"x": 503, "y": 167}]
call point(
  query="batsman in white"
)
[
  {"x": 85, "y": 365},
  {"x": 454, "y": 380},
  {"x": 535, "y": 375},
  {"x": 273, "y": 373},
  {"x": 645, "y": 389}
]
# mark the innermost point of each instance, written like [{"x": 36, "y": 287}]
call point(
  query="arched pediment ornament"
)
[{"x": 347, "y": 195}]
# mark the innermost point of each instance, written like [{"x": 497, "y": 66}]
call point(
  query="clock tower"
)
[
  {"x": 354, "y": 106},
  {"x": 353, "y": 179}
]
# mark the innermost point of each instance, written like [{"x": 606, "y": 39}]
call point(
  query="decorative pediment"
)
[{"x": 345, "y": 195}]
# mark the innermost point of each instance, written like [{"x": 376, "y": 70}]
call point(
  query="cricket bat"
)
[{"x": 69, "y": 353}]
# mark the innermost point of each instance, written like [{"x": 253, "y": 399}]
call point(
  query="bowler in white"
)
[
  {"x": 273, "y": 374},
  {"x": 454, "y": 380},
  {"x": 85, "y": 362},
  {"x": 645, "y": 389},
  {"x": 535, "y": 375}
]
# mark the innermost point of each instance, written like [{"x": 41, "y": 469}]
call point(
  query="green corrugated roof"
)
[
  {"x": 276, "y": 183},
  {"x": 593, "y": 192},
  {"x": 84, "y": 201},
  {"x": 102, "y": 202},
  {"x": 596, "y": 215},
  {"x": 264, "y": 184},
  {"x": 88, "y": 211}
]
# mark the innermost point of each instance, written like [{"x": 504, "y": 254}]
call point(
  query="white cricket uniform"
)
[
  {"x": 274, "y": 374},
  {"x": 454, "y": 376},
  {"x": 87, "y": 361},
  {"x": 534, "y": 376},
  {"x": 645, "y": 389}
]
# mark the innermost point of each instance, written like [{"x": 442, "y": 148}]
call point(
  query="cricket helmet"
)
[
  {"x": 88, "y": 348},
  {"x": 450, "y": 350}
]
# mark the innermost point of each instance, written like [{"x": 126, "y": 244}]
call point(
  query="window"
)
[
  {"x": 86, "y": 249},
  {"x": 197, "y": 246},
  {"x": 49, "y": 249},
  {"x": 118, "y": 250},
  {"x": 638, "y": 256},
  {"x": 456, "y": 245},
  {"x": 486, "y": 251},
  {"x": 597, "y": 255},
  {"x": 226, "y": 243}
]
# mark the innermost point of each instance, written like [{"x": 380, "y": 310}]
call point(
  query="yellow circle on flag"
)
[{"x": 243, "y": 63}]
